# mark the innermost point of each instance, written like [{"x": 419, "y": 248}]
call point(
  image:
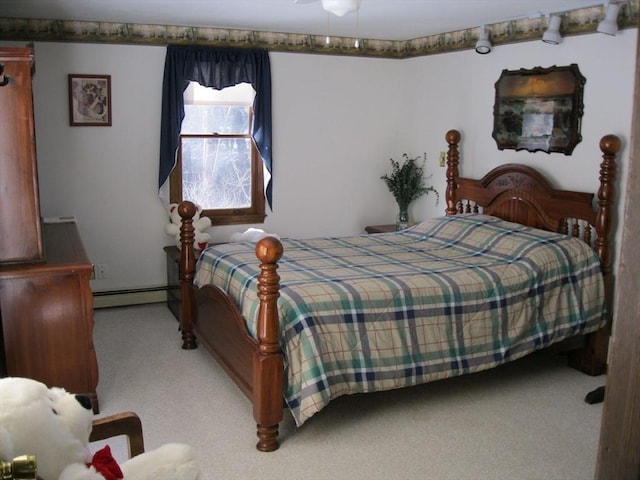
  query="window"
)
[
  {"x": 218, "y": 165},
  {"x": 217, "y": 67}
]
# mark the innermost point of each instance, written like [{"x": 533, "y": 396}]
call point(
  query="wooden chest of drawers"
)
[{"x": 46, "y": 312}]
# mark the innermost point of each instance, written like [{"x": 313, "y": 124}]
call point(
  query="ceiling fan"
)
[{"x": 337, "y": 7}]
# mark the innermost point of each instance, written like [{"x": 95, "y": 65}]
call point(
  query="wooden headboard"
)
[{"x": 521, "y": 194}]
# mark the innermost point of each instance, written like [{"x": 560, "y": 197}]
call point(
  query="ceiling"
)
[{"x": 377, "y": 19}]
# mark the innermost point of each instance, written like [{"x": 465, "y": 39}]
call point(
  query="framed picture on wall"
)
[
  {"x": 90, "y": 100},
  {"x": 539, "y": 109}
]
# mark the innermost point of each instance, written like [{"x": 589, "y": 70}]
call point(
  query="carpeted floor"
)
[{"x": 526, "y": 420}]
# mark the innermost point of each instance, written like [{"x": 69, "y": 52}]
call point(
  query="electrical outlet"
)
[
  {"x": 442, "y": 159},
  {"x": 100, "y": 271}
]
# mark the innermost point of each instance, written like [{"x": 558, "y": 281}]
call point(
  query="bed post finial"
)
[
  {"x": 268, "y": 368},
  {"x": 453, "y": 157},
  {"x": 187, "y": 210}
]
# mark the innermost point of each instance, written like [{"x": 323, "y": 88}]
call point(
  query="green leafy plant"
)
[{"x": 407, "y": 182}]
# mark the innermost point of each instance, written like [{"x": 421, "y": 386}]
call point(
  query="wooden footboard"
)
[
  {"x": 220, "y": 329},
  {"x": 209, "y": 317}
]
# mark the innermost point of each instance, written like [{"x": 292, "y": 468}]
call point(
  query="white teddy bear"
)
[
  {"x": 200, "y": 224},
  {"x": 54, "y": 425}
]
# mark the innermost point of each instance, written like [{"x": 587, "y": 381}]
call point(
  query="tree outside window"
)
[{"x": 219, "y": 167}]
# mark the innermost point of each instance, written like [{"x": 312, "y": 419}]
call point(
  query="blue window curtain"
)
[{"x": 218, "y": 68}]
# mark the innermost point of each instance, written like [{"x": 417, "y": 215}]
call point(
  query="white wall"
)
[
  {"x": 105, "y": 176},
  {"x": 336, "y": 123}
]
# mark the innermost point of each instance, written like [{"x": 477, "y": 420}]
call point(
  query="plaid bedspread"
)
[{"x": 449, "y": 296}]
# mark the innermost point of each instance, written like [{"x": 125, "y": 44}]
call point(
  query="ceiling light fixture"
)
[
  {"x": 483, "y": 45},
  {"x": 552, "y": 35},
  {"x": 609, "y": 25},
  {"x": 341, "y": 7},
  {"x": 356, "y": 44},
  {"x": 327, "y": 39}
]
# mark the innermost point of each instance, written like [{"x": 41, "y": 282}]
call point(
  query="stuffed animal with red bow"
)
[
  {"x": 54, "y": 425},
  {"x": 200, "y": 226}
]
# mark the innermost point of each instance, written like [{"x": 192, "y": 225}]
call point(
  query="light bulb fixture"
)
[
  {"x": 483, "y": 45},
  {"x": 552, "y": 35},
  {"x": 356, "y": 44},
  {"x": 327, "y": 39},
  {"x": 609, "y": 25},
  {"x": 341, "y": 7}
]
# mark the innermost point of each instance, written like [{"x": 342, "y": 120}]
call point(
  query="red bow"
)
[{"x": 105, "y": 464}]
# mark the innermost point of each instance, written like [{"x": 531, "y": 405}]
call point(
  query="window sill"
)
[{"x": 236, "y": 219}]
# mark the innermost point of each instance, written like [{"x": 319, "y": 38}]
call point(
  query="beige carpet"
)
[{"x": 526, "y": 420}]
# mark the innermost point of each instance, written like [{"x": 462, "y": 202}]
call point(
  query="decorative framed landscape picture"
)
[
  {"x": 90, "y": 100},
  {"x": 539, "y": 109}
]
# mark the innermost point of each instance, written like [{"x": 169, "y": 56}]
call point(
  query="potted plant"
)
[{"x": 406, "y": 182}]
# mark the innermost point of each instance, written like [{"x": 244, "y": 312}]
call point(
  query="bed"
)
[{"x": 514, "y": 266}]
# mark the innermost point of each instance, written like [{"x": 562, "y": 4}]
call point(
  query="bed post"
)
[
  {"x": 453, "y": 138},
  {"x": 592, "y": 359},
  {"x": 268, "y": 367},
  {"x": 187, "y": 210},
  {"x": 610, "y": 145}
]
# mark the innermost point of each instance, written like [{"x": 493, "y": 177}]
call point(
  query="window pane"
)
[
  {"x": 223, "y": 119},
  {"x": 216, "y": 172}
]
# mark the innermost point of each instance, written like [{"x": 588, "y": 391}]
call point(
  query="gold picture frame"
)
[
  {"x": 90, "y": 100},
  {"x": 539, "y": 109}
]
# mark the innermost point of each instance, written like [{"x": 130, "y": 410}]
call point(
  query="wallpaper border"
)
[{"x": 574, "y": 22}]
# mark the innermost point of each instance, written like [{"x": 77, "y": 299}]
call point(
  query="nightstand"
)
[
  {"x": 174, "y": 293},
  {"x": 380, "y": 228}
]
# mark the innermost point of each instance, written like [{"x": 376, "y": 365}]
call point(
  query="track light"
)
[
  {"x": 552, "y": 35},
  {"x": 610, "y": 23},
  {"x": 483, "y": 45}
]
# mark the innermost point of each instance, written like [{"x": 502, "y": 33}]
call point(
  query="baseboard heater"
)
[{"x": 131, "y": 296}]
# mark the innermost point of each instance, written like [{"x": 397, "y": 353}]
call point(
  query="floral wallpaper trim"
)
[{"x": 574, "y": 22}]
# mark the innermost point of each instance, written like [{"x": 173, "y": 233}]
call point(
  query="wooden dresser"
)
[
  {"x": 47, "y": 315},
  {"x": 46, "y": 304}
]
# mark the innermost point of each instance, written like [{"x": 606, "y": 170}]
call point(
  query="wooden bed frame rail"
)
[{"x": 513, "y": 192}]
